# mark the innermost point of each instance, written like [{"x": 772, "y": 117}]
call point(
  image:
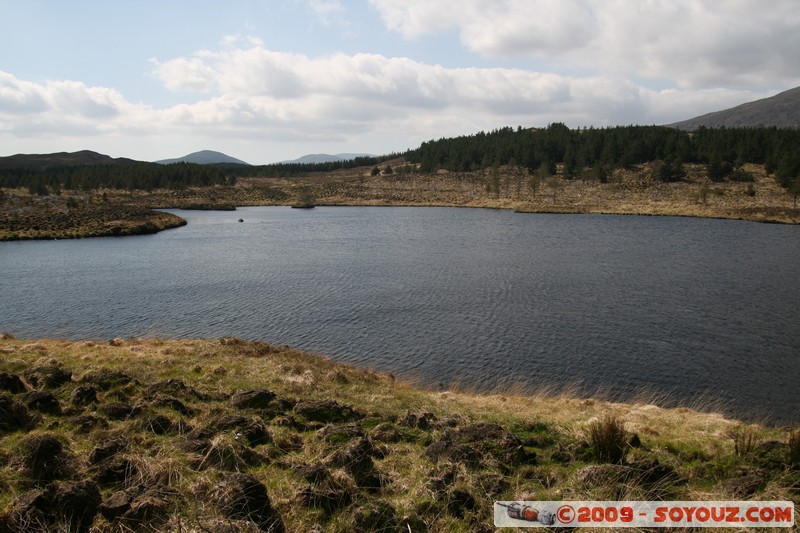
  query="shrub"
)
[
  {"x": 742, "y": 175},
  {"x": 745, "y": 441},
  {"x": 608, "y": 439}
]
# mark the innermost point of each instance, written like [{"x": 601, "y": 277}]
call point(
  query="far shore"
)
[{"x": 631, "y": 191}]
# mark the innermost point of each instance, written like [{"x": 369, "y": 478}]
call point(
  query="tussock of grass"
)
[
  {"x": 608, "y": 439},
  {"x": 212, "y": 435}
]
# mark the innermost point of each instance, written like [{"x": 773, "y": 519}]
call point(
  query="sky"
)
[{"x": 267, "y": 81}]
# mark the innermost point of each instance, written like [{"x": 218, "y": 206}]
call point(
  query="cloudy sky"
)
[{"x": 266, "y": 81}]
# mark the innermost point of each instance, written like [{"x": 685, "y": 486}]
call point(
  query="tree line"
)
[
  {"x": 135, "y": 176},
  {"x": 724, "y": 149}
]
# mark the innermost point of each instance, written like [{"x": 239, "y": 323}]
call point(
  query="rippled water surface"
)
[{"x": 692, "y": 309}]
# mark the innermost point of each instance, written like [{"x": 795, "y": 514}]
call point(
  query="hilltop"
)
[
  {"x": 229, "y": 435},
  {"x": 781, "y": 111},
  {"x": 205, "y": 157},
  {"x": 38, "y": 162}
]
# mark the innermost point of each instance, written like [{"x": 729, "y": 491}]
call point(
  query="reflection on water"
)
[{"x": 687, "y": 308}]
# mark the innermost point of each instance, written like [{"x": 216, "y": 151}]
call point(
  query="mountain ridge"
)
[{"x": 781, "y": 110}]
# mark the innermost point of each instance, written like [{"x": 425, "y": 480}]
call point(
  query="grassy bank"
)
[
  {"x": 65, "y": 217},
  {"x": 226, "y": 435}
]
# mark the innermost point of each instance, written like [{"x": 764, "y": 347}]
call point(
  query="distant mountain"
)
[
  {"x": 325, "y": 158},
  {"x": 205, "y": 157},
  {"x": 781, "y": 110},
  {"x": 61, "y": 159}
]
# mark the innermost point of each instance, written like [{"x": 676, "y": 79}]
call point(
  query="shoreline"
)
[{"x": 630, "y": 192}]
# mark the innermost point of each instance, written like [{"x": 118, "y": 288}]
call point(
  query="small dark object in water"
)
[{"x": 241, "y": 220}]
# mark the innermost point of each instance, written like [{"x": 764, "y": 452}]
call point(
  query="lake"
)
[{"x": 687, "y": 311}]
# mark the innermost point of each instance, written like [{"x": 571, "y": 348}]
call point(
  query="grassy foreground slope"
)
[{"x": 227, "y": 435}]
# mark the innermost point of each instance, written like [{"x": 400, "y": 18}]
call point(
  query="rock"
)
[
  {"x": 327, "y": 411},
  {"x": 255, "y": 434},
  {"x": 417, "y": 420},
  {"x": 63, "y": 506},
  {"x": 86, "y": 423},
  {"x": 116, "y": 505},
  {"x": 48, "y": 377},
  {"x": 228, "y": 422},
  {"x": 252, "y": 399},
  {"x": 107, "y": 449},
  {"x": 83, "y": 395},
  {"x": 14, "y": 416},
  {"x": 172, "y": 403},
  {"x": 117, "y": 410},
  {"x": 30, "y": 513},
  {"x": 176, "y": 387},
  {"x": 77, "y": 502},
  {"x": 105, "y": 379},
  {"x": 385, "y": 432},
  {"x": 198, "y": 440},
  {"x": 315, "y": 473},
  {"x": 43, "y": 457},
  {"x": 12, "y": 383},
  {"x": 340, "y": 434},
  {"x": 243, "y": 497},
  {"x": 251, "y": 431},
  {"x": 356, "y": 458},
  {"x": 456, "y": 452},
  {"x": 42, "y": 401},
  {"x": 115, "y": 471}
]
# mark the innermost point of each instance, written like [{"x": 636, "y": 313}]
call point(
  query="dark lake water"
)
[{"x": 689, "y": 310}]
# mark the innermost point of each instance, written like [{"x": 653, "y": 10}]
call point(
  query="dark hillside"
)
[
  {"x": 781, "y": 111},
  {"x": 60, "y": 159}
]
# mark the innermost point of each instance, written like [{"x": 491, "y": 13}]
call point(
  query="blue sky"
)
[{"x": 266, "y": 81}]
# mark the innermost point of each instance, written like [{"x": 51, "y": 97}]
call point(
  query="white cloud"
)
[
  {"x": 184, "y": 74},
  {"x": 364, "y": 88},
  {"x": 58, "y": 108},
  {"x": 693, "y": 43},
  {"x": 326, "y": 11},
  {"x": 256, "y": 103}
]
